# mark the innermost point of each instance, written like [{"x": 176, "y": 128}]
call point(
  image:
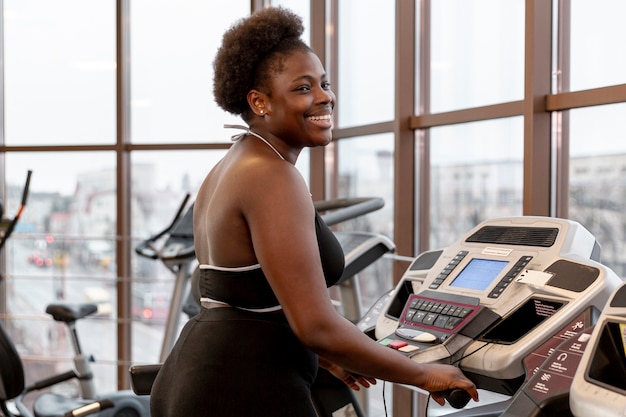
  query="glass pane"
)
[
  {"x": 476, "y": 174},
  {"x": 365, "y": 93},
  {"x": 365, "y": 169},
  {"x": 59, "y": 60},
  {"x": 477, "y": 53},
  {"x": 173, "y": 46},
  {"x": 597, "y": 37},
  {"x": 63, "y": 250},
  {"x": 597, "y": 189},
  {"x": 70, "y": 217}
]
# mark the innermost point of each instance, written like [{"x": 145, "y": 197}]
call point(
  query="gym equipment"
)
[
  {"x": 126, "y": 402},
  {"x": 175, "y": 254},
  {"x": 549, "y": 373},
  {"x": 12, "y": 383},
  {"x": 12, "y": 388},
  {"x": 599, "y": 384},
  {"x": 175, "y": 248},
  {"x": 492, "y": 301},
  {"x": 7, "y": 225},
  {"x": 360, "y": 248}
]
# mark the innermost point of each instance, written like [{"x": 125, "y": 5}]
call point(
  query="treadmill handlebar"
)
[{"x": 343, "y": 209}]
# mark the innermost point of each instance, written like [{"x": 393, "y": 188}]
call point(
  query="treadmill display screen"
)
[{"x": 478, "y": 274}]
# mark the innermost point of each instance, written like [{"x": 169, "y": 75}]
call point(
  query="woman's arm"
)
[{"x": 281, "y": 221}]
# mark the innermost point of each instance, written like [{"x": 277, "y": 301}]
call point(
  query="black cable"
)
[
  {"x": 384, "y": 400},
  {"x": 471, "y": 353}
]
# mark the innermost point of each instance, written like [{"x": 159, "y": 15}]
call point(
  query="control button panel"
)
[
  {"x": 506, "y": 280},
  {"x": 440, "y": 315},
  {"x": 448, "y": 269}
]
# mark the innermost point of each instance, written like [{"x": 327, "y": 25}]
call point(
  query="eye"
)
[{"x": 326, "y": 85}]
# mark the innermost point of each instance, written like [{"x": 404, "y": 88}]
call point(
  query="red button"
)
[{"x": 397, "y": 344}]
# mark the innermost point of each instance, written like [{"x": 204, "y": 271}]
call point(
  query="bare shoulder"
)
[{"x": 273, "y": 183}]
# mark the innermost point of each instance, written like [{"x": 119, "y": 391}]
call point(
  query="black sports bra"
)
[{"x": 247, "y": 287}]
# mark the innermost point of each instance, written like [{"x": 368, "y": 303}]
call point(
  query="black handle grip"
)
[{"x": 457, "y": 398}]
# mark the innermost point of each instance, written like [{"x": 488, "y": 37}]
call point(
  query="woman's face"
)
[{"x": 300, "y": 103}]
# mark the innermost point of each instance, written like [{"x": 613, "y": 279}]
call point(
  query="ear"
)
[{"x": 258, "y": 102}]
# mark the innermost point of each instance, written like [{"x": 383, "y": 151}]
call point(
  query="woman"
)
[{"x": 266, "y": 257}]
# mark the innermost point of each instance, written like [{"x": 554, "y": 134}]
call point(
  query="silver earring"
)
[{"x": 260, "y": 111}]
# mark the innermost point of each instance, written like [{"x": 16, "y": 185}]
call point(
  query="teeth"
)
[{"x": 318, "y": 118}]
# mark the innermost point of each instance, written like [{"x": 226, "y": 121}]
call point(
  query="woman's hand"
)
[
  {"x": 354, "y": 381},
  {"x": 438, "y": 378}
]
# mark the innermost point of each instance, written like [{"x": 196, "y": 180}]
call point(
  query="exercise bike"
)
[
  {"x": 176, "y": 254},
  {"x": 125, "y": 402},
  {"x": 361, "y": 249},
  {"x": 12, "y": 380}
]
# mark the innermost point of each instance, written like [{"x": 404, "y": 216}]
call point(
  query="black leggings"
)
[{"x": 229, "y": 362}]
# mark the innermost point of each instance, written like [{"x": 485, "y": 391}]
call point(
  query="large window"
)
[{"x": 458, "y": 75}]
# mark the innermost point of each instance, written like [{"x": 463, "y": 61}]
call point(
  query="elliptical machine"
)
[{"x": 175, "y": 248}]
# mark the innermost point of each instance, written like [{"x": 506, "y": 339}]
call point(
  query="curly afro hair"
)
[{"x": 251, "y": 51}]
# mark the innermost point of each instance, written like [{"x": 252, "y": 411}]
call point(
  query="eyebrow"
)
[{"x": 309, "y": 77}]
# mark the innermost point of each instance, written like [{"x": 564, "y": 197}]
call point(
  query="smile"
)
[{"x": 320, "y": 118}]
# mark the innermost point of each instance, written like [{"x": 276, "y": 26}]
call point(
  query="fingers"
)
[
  {"x": 438, "y": 397},
  {"x": 351, "y": 381},
  {"x": 366, "y": 381},
  {"x": 470, "y": 387},
  {"x": 474, "y": 393},
  {"x": 356, "y": 381}
]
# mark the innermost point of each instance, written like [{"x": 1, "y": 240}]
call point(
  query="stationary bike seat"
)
[{"x": 69, "y": 313}]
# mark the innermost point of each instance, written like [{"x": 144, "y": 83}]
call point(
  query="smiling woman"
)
[{"x": 266, "y": 257}]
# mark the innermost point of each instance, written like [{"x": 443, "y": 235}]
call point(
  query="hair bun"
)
[{"x": 244, "y": 45}]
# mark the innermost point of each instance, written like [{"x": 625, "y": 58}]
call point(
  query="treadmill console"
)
[{"x": 494, "y": 296}]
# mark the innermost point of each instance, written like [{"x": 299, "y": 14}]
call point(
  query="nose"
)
[{"x": 325, "y": 96}]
